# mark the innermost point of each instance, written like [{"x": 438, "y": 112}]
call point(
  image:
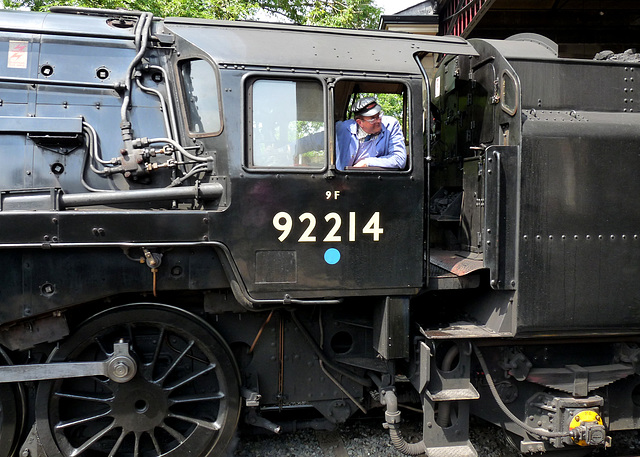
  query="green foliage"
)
[
  {"x": 392, "y": 104},
  {"x": 210, "y": 9},
  {"x": 334, "y": 13}
]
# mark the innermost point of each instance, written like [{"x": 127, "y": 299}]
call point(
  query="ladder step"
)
[
  {"x": 469, "y": 393},
  {"x": 453, "y": 451}
]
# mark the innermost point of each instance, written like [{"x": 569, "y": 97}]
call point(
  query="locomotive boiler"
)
[{"x": 173, "y": 264}]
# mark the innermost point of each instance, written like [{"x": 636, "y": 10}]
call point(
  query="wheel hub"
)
[{"x": 139, "y": 405}]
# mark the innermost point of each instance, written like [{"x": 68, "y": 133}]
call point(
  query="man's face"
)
[{"x": 371, "y": 124}]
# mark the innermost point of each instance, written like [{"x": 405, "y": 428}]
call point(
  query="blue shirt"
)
[{"x": 386, "y": 150}]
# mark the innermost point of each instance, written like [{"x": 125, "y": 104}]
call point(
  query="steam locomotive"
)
[{"x": 172, "y": 265}]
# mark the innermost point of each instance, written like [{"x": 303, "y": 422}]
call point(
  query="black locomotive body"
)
[{"x": 174, "y": 263}]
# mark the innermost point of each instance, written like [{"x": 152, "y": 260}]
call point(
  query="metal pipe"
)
[
  {"x": 392, "y": 418},
  {"x": 52, "y": 82},
  {"x": 207, "y": 191}
]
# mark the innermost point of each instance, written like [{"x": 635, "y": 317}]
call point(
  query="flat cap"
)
[{"x": 367, "y": 106}]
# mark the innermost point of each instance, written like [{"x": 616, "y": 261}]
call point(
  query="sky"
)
[{"x": 393, "y": 6}]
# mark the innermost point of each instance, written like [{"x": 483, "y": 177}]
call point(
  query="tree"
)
[{"x": 334, "y": 13}]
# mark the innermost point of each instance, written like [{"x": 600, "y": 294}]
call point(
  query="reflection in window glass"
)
[
  {"x": 283, "y": 113},
  {"x": 201, "y": 94}
]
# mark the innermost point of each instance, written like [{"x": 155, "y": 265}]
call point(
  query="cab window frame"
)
[
  {"x": 185, "y": 102},
  {"x": 405, "y": 119},
  {"x": 249, "y": 81}
]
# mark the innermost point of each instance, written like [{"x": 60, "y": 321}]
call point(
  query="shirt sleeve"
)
[{"x": 394, "y": 154}]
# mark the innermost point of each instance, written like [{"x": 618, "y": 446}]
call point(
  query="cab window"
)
[
  {"x": 283, "y": 114},
  {"x": 200, "y": 88},
  {"x": 393, "y": 100}
]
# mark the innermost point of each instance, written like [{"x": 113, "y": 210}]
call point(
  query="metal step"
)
[
  {"x": 470, "y": 393},
  {"x": 453, "y": 451}
]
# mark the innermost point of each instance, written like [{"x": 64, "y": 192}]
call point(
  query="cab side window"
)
[
  {"x": 386, "y": 120},
  {"x": 200, "y": 88},
  {"x": 281, "y": 114}
]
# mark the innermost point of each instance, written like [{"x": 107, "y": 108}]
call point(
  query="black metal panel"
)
[
  {"x": 132, "y": 226},
  {"x": 392, "y": 262},
  {"x": 579, "y": 85},
  {"x": 391, "y": 328},
  {"x": 37, "y": 281},
  {"x": 579, "y": 239}
]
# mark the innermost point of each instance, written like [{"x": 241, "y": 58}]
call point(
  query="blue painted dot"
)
[{"x": 332, "y": 256}]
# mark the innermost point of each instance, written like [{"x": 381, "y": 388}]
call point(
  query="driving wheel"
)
[
  {"x": 12, "y": 407},
  {"x": 183, "y": 400}
]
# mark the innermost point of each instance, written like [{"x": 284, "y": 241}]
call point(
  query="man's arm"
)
[{"x": 313, "y": 142}]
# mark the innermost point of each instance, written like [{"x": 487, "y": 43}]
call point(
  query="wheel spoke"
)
[
  {"x": 192, "y": 377},
  {"x": 84, "y": 397},
  {"x": 156, "y": 353},
  {"x": 175, "y": 362},
  {"x": 214, "y": 426},
  {"x": 173, "y": 432},
  {"x": 95, "y": 438},
  {"x": 154, "y": 440},
  {"x": 118, "y": 443},
  {"x": 136, "y": 446},
  {"x": 196, "y": 398},
  {"x": 103, "y": 349},
  {"x": 84, "y": 420}
]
